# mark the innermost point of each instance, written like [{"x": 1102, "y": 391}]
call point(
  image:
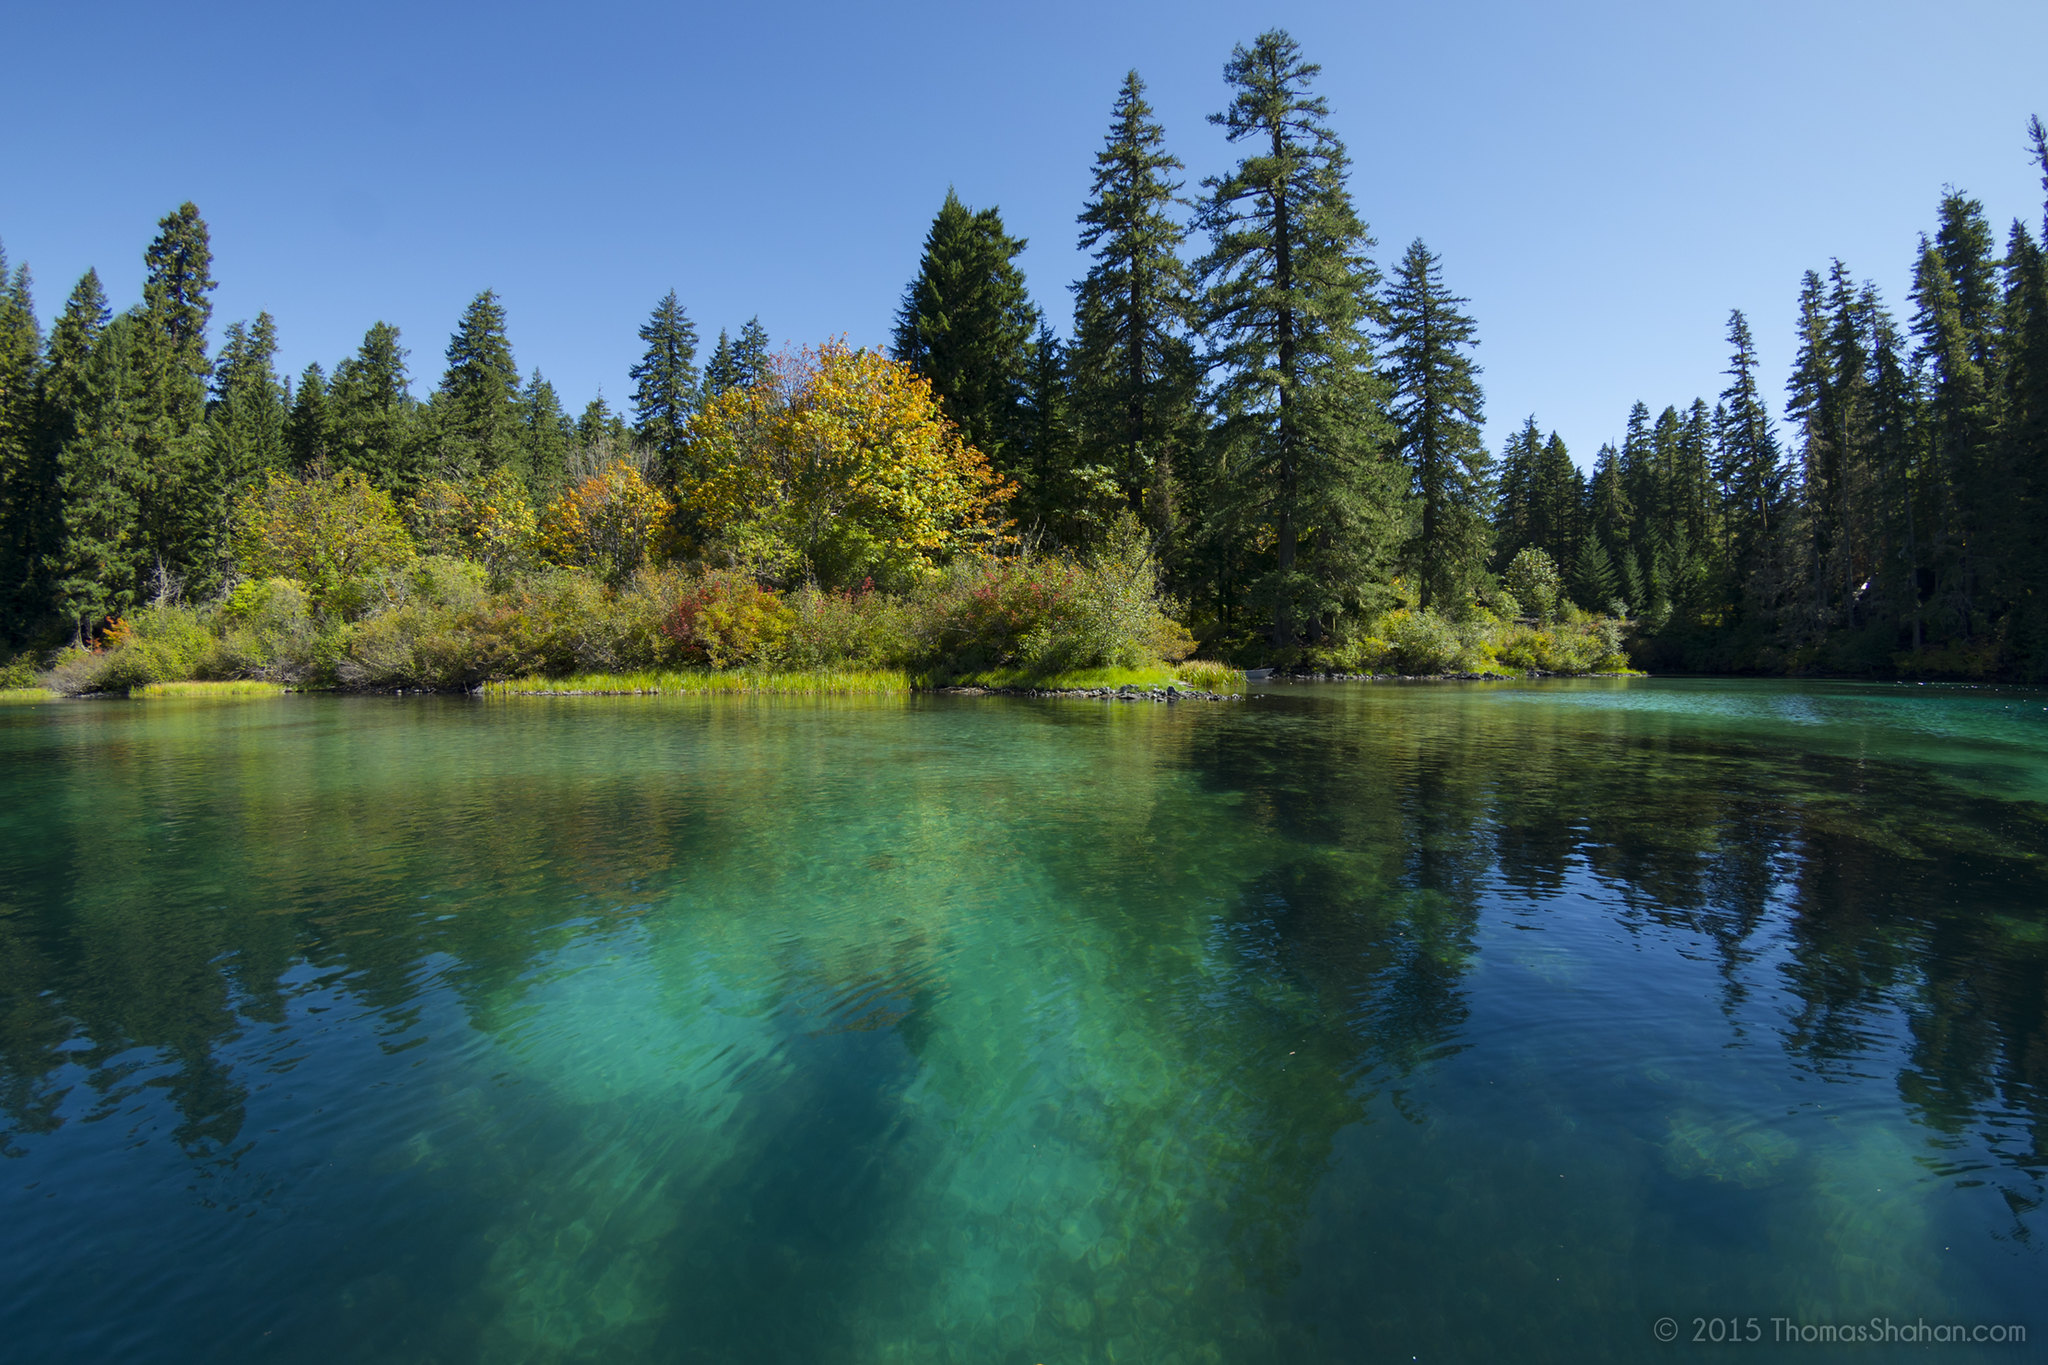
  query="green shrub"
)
[
  {"x": 269, "y": 630},
  {"x": 1049, "y": 614},
  {"x": 159, "y": 644},
  {"x": 18, "y": 672},
  {"x": 726, "y": 619},
  {"x": 1532, "y": 580},
  {"x": 861, "y": 629}
]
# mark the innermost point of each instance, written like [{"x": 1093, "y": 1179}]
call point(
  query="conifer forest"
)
[{"x": 1259, "y": 410}]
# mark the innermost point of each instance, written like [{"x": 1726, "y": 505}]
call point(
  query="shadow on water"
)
[{"x": 1461, "y": 1020}]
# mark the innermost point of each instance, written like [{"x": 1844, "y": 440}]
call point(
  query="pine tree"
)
[
  {"x": 1959, "y": 426},
  {"x": 666, "y": 386},
  {"x": 548, "y": 435},
  {"x": 1514, "y": 507},
  {"x": 1558, "y": 497},
  {"x": 27, "y": 501},
  {"x": 721, "y": 372},
  {"x": 309, "y": 428},
  {"x": 371, "y": 414},
  {"x": 1747, "y": 460},
  {"x": 476, "y": 409},
  {"x": 1593, "y": 582},
  {"x": 183, "y": 503},
  {"x": 1896, "y": 473},
  {"x": 1437, "y": 410},
  {"x": 966, "y": 325},
  {"x": 247, "y": 414},
  {"x": 98, "y": 568},
  {"x": 1135, "y": 375},
  {"x": 1610, "y": 511},
  {"x": 1304, "y": 434},
  {"x": 72, "y": 337},
  {"x": 1065, "y": 500},
  {"x": 2024, "y": 431},
  {"x": 750, "y": 354}
]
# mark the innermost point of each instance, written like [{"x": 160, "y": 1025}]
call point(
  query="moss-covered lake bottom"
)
[{"x": 1350, "y": 1023}]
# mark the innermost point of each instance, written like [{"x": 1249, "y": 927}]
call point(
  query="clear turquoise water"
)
[{"x": 1355, "y": 1022}]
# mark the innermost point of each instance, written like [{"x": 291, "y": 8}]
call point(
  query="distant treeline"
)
[{"x": 1298, "y": 433}]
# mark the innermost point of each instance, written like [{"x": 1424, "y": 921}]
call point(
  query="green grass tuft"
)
[
  {"x": 1195, "y": 673},
  {"x": 8, "y": 694},
  {"x": 239, "y": 687},
  {"x": 793, "y": 682}
]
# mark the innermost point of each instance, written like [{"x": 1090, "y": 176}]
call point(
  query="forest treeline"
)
[{"x": 1295, "y": 434}]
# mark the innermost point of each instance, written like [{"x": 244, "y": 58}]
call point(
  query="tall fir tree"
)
[
  {"x": 28, "y": 506},
  {"x": 966, "y": 324},
  {"x": 1136, "y": 379},
  {"x": 1437, "y": 411},
  {"x": 1557, "y": 497},
  {"x": 750, "y": 354},
  {"x": 476, "y": 409},
  {"x": 372, "y": 414},
  {"x": 721, "y": 371},
  {"x": 666, "y": 386},
  {"x": 2024, "y": 430},
  {"x": 1303, "y": 438},
  {"x": 309, "y": 425},
  {"x": 1959, "y": 425},
  {"x": 99, "y": 567},
  {"x": 248, "y": 410},
  {"x": 1745, "y": 453},
  {"x": 183, "y": 502},
  {"x": 1515, "y": 492},
  {"x": 549, "y": 434}
]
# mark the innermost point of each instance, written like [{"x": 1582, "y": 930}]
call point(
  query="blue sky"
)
[{"x": 1604, "y": 181}]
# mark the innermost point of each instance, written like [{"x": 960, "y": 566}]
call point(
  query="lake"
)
[{"x": 1462, "y": 1022}]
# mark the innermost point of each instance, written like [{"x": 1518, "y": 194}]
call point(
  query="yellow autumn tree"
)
[
  {"x": 488, "y": 520},
  {"x": 838, "y": 466},
  {"x": 609, "y": 523},
  {"x": 334, "y": 535}
]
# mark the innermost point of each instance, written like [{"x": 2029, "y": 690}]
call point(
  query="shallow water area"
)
[{"x": 1351, "y": 1022}]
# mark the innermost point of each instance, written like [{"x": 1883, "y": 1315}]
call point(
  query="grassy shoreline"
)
[
  {"x": 686, "y": 682},
  {"x": 233, "y": 687},
  {"x": 882, "y": 681}
]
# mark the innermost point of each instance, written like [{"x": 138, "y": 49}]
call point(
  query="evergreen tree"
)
[
  {"x": 721, "y": 372},
  {"x": 1747, "y": 460},
  {"x": 599, "y": 437},
  {"x": 1304, "y": 434},
  {"x": 476, "y": 410},
  {"x": 183, "y": 496},
  {"x": 1065, "y": 499},
  {"x": 1959, "y": 425},
  {"x": 72, "y": 337},
  {"x": 2024, "y": 431},
  {"x": 1135, "y": 375},
  {"x": 750, "y": 354},
  {"x": 98, "y": 568},
  {"x": 1610, "y": 511},
  {"x": 371, "y": 414},
  {"x": 666, "y": 385},
  {"x": 1593, "y": 582},
  {"x": 1696, "y": 503},
  {"x": 1514, "y": 507},
  {"x": 548, "y": 433},
  {"x": 247, "y": 414},
  {"x": 27, "y": 501},
  {"x": 309, "y": 428},
  {"x": 1558, "y": 497},
  {"x": 1437, "y": 410},
  {"x": 966, "y": 325}
]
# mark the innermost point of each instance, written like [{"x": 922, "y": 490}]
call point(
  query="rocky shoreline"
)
[
  {"x": 1128, "y": 692},
  {"x": 1433, "y": 677}
]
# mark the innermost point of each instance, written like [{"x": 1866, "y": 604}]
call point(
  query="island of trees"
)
[{"x": 1255, "y": 445}]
